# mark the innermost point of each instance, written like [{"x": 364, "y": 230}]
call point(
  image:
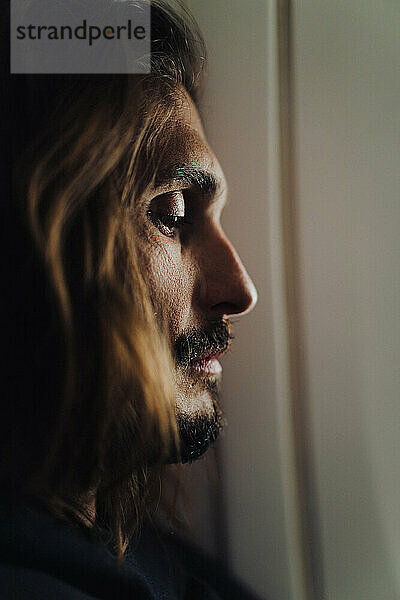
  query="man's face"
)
[{"x": 196, "y": 278}]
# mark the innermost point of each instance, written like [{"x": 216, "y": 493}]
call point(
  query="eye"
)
[{"x": 167, "y": 212}]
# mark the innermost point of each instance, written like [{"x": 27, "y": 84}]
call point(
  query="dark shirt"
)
[{"x": 43, "y": 558}]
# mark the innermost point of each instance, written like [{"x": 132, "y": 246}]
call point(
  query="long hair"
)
[{"x": 89, "y": 410}]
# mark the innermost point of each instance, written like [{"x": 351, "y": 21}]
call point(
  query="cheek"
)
[{"x": 170, "y": 282}]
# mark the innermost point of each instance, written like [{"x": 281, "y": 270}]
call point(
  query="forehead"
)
[
  {"x": 187, "y": 144},
  {"x": 187, "y": 113}
]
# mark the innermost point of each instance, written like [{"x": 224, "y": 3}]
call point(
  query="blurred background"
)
[{"x": 302, "y": 109}]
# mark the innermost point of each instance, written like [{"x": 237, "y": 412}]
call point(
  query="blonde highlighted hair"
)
[{"x": 90, "y": 411}]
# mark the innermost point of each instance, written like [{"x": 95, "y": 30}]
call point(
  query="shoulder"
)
[
  {"x": 43, "y": 558},
  {"x": 181, "y": 565},
  {"x": 19, "y": 583}
]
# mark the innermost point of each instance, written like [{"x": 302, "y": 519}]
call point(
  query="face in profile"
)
[
  {"x": 116, "y": 184},
  {"x": 195, "y": 276}
]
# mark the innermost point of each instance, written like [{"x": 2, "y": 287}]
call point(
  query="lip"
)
[{"x": 208, "y": 365}]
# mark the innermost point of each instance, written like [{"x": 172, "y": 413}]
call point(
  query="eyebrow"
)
[{"x": 191, "y": 175}]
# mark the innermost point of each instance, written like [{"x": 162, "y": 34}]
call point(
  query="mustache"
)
[{"x": 213, "y": 339}]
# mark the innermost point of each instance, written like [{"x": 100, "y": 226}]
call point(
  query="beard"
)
[
  {"x": 199, "y": 428},
  {"x": 198, "y": 432},
  {"x": 198, "y": 413}
]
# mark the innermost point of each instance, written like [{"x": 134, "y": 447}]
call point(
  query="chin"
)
[{"x": 200, "y": 420}]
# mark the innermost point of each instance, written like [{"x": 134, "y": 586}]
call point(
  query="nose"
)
[{"x": 226, "y": 288}]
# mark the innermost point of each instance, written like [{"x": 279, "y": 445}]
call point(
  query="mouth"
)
[
  {"x": 207, "y": 365},
  {"x": 197, "y": 351}
]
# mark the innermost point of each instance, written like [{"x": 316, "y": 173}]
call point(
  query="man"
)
[{"x": 121, "y": 283}]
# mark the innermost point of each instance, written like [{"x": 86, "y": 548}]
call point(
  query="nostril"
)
[
  {"x": 242, "y": 300},
  {"x": 226, "y": 309}
]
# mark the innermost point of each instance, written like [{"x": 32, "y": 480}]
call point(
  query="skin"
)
[{"x": 194, "y": 273}]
